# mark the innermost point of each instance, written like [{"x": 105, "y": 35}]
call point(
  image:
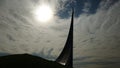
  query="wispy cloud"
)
[
  {"x": 87, "y": 6},
  {"x": 95, "y": 35}
]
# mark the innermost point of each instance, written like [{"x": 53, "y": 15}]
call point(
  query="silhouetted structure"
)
[
  {"x": 66, "y": 56},
  {"x": 65, "y": 60}
]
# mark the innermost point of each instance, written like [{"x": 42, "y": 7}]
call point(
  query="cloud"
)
[
  {"x": 98, "y": 35},
  {"x": 45, "y": 55},
  {"x": 20, "y": 33},
  {"x": 99, "y": 27},
  {"x": 96, "y": 62},
  {"x": 10, "y": 37},
  {"x": 87, "y": 6},
  {"x": 107, "y": 4}
]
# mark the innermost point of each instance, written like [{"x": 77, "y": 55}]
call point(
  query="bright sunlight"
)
[{"x": 43, "y": 13}]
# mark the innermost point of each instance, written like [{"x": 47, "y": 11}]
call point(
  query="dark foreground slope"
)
[{"x": 27, "y": 61}]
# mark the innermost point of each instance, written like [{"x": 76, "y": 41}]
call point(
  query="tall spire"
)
[{"x": 66, "y": 56}]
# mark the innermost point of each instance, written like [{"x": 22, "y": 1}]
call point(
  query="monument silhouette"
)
[
  {"x": 64, "y": 60},
  {"x": 66, "y": 56}
]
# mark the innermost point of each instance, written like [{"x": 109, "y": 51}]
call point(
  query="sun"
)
[{"x": 43, "y": 13}]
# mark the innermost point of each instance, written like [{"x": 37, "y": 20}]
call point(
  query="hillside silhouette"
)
[{"x": 27, "y": 61}]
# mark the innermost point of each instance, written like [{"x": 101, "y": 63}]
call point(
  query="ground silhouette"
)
[{"x": 27, "y": 61}]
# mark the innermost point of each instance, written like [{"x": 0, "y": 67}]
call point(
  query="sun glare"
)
[{"x": 43, "y": 13}]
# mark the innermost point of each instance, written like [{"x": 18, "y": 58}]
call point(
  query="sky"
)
[{"x": 96, "y": 30}]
